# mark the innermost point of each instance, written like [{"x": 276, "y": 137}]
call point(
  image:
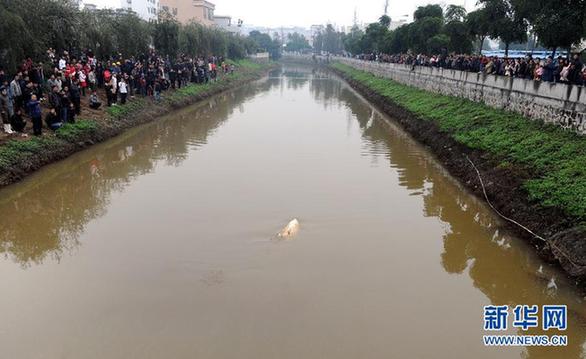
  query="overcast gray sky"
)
[{"x": 275, "y": 13}]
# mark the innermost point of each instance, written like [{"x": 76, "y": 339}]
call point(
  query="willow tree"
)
[
  {"x": 13, "y": 50},
  {"x": 455, "y": 13},
  {"x": 50, "y": 23},
  {"x": 296, "y": 42},
  {"x": 165, "y": 32},
  {"x": 353, "y": 40}
]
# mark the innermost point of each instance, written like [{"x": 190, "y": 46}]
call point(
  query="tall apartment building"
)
[
  {"x": 146, "y": 9},
  {"x": 184, "y": 11}
]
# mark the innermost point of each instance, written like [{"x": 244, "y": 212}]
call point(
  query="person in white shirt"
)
[
  {"x": 82, "y": 81},
  {"x": 114, "y": 89},
  {"x": 62, "y": 64},
  {"x": 123, "y": 89}
]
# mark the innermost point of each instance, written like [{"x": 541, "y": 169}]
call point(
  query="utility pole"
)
[
  {"x": 355, "y": 17},
  {"x": 387, "y": 7}
]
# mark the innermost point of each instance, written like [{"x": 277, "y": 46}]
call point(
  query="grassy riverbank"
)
[
  {"x": 19, "y": 157},
  {"x": 554, "y": 158}
]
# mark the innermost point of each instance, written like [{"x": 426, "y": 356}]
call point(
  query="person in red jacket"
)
[{"x": 107, "y": 75}]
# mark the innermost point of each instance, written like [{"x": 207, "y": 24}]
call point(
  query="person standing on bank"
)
[
  {"x": 123, "y": 90},
  {"x": 157, "y": 90},
  {"x": 82, "y": 77},
  {"x": 66, "y": 105},
  {"x": 75, "y": 96},
  {"x": 55, "y": 100},
  {"x": 113, "y": 90},
  {"x": 16, "y": 90},
  {"x": 4, "y": 112}
]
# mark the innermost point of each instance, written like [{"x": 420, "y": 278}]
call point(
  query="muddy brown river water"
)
[{"x": 161, "y": 243}]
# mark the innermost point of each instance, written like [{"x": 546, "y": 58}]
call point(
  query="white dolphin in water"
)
[{"x": 290, "y": 229}]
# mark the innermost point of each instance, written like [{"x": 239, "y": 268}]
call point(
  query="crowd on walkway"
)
[
  {"x": 55, "y": 90},
  {"x": 559, "y": 69}
]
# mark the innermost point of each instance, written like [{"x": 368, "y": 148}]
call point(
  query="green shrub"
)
[
  {"x": 15, "y": 151},
  {"x": 118, "y": 110},
  {"x": 74, "y": 132}
]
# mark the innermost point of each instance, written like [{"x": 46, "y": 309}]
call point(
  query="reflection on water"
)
[
  {"x": 502, "y": 268},
  {"x": 44, "y": 216},
  {"x": 392, "y": 249}
]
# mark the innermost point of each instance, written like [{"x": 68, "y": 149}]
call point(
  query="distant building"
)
[
  {"x": 225, "y": 23},
  {"x": 146, "y": 9},
  {"x": 184, "y": 11},
  {"x": 260, "y": 57},
  {"x": 396, "y": 24},
  {"x": 316, "y": 29},
  {"x": 90, "y": 7}
]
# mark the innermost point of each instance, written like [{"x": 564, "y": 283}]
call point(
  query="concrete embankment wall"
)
[
  {"x": 261, "y": 57},
  {"x": 560, "y": 104}
]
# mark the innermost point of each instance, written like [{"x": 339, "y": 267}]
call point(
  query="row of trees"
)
[
  {"x": 266, "y": 43},
  {"x": 297, "y": 42},
  {"x": 29, "y": 27},
  {"x": 278, "y": 42},
  {"x": 330, "y": 40},
  {"x": 557, "y": 24}
]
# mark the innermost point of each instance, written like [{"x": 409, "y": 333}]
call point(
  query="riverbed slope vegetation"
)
[{"x": 543, "y": 164}]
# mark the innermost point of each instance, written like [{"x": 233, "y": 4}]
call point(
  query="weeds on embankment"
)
[
  {"x": 16, "y": 151},
  {"x": 555, "y": 157},
  {"x": 21, "y": 156}
]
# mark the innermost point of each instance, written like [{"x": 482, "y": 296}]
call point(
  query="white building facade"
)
[
  {"x": 225, "y": 23},
  {"x": 146, "y": 9}
]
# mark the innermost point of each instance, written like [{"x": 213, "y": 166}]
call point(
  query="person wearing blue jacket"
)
[
  {"x": 34, "y": 110},
  {"x": 548, "y": 70}
]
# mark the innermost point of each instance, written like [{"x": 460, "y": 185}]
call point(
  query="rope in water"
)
[
  {"x": 496, "y": 210},
  {"x": 552, "y": 244}
]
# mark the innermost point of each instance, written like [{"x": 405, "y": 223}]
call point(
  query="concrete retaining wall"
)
[
  {"x": 563, "y": 105},
  {"x": 261, "y": 57}
]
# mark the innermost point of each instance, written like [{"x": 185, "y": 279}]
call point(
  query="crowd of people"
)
[
  {"x": 57, "y": 87},
  {"x": 550, "y": 69}
]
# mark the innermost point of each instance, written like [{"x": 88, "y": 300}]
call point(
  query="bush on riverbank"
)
[
  {"x": 119, "y": 111},
  {"x": 72, "y": 132},
  {"x": 16, "y": 151},
  {"x": 555, "y": 158}
]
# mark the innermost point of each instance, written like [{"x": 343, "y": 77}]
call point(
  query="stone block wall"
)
[{"x": 560, "y": 104}]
